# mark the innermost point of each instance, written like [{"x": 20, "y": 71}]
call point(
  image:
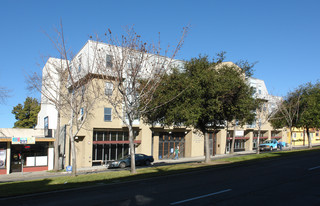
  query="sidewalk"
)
[{"x": 22, "y": 176}]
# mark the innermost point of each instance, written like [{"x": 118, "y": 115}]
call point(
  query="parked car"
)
[
  {"x": 269, "y": 145},
  {"x": 140, "y": 159}
]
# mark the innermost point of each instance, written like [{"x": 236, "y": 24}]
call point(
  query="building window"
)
[
  {"x": 79, "y": 62},
  {"x": 34, "y": 155},
  {"x": 81, "y": 114},
  {"x": 104, "y": 151},
  {"x": 109, "y": 88},
  {"x": 107, "y": 114},
  {"x": 168, "y": 142},
  {"x": 46, "y": 126},
  {"x": 46, "y": 122},
  {"x": 3, "y": 154},
  {"x": 109, "y": 61}
]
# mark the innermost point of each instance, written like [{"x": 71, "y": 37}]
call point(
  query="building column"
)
[
  {"x": 8, "y": 157},
  {"x": 221, "y": 141},
  {"x": 269, "y": 134},
  {"x": 50, "y": 156},
  {"x": 155, "y": 152},
  {"x": 188, "y": 144},
  {"x": 249, "y": 142}
]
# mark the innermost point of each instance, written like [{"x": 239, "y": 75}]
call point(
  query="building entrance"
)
[
  {"x": 168, "y": 143},
  {"x": 16, "y": 158},
  {"x": 28, "y": 157}
]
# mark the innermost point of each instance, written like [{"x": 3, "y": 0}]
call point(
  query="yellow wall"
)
[{"x": 299, "y": 137}]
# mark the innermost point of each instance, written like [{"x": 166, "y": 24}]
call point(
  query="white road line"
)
[
  {"x": 203, "y": 196},
  {"x": 313, "y": 168}
]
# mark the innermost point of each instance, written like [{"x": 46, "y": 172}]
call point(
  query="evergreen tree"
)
[
  {"x": 204, "y": 96},
  {"x": 26, "y": 115}
]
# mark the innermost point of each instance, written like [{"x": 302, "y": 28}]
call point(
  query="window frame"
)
[
  {"x": 108, "y": 90},
  {"x": 109, "y": 62},
  {"x": 106, "y": 113},
  {"x": 79, "y": 62}
]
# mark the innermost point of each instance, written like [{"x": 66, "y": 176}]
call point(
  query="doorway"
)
[
  {"x": 16, "y": 158},
  {"x": 168, "y": 142}
]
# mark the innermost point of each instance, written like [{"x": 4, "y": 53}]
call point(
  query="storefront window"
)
[
  {"x": 105, "y": 151},
  {"x": 3, "y": 155},
  {"x": 125, "y": 136},
  {"x": 168, "y": 142},
  {"x": 34, "y": 155},
  {"x": 120, "y": 136},
  {"x": 114, "y": 136},
  {"x": 99, "y": 136}
]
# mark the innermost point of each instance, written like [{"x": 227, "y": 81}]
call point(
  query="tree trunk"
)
[
  {"x": 290, "y": 130},
  {"x": 73, "y": 149},
  {"x": 206, "y": 147},
  {"x": 73, "y": 155},
  {"x": 309, "y": 138},
  {"x": 233, "y": 139},
  {"x": 258, "y": 141},
  {"x": 225, "y": 151},
  {"x": 56, "y": 145},
  {"x": 132, "y": 151},
  {"x": 304, "y": 138}
]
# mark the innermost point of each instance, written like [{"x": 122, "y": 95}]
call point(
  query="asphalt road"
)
[{"x": 293, "y": 180}]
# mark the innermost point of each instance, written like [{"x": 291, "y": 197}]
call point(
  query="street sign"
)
[{"x": 69, "y": 168}]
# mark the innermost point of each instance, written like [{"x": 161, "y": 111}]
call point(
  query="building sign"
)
[
  {"x": 15, "y": 140},
  {"x": 239, "y": 133},
  {"x": 69, "y": 169},
  {"x": 23, "y": 140},
  {"x": 31, "y": 140}
]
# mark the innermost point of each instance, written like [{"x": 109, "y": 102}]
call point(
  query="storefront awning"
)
[
  {"x": 116, "y": 142},
  {"x": 37, "y": 139}
]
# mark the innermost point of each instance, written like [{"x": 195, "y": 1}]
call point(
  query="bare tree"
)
[
  {"x": 4, "y": 94},
  {"x": 135, "y": 70},
  {"x": 67, "y": 84},
  {"x": 288, "y": 112},
  {"x": 264, "y": 114}
]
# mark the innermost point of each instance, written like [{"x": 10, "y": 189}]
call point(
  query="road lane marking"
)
[
  {"x": 313, "y": 168},
  {"x": 203, "y": 196}
]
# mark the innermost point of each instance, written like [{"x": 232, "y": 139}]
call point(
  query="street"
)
[{"x": 291, "y": 180}]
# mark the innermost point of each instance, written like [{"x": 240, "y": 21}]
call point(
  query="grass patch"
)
[{"x": 67, "y": 182}]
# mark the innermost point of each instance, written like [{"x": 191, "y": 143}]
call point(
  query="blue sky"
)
[{"x": 282, "y": 35}]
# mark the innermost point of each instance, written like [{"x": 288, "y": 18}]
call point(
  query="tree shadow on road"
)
[{"x": 97, "y": 179}]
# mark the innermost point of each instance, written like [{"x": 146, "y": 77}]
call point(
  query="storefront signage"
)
[
  {"x": 31, "y": 140},
  {"x": 23, "y": 140},
  {"x": 239, "y": 133},
  {"x": 15, "y": 140}
]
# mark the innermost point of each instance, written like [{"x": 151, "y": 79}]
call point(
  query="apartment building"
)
[{"x": 104, "y": 136}]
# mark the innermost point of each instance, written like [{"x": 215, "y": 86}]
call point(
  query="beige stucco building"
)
[{"x": 104, "y": 136}]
